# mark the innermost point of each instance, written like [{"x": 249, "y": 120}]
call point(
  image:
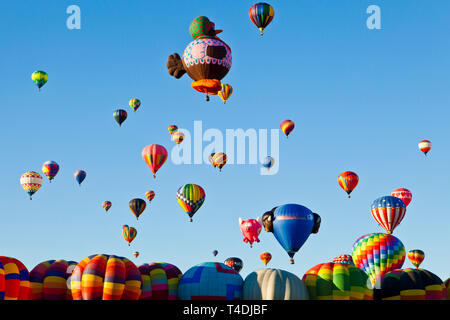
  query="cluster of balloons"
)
[{"x": 121, "y": 115}]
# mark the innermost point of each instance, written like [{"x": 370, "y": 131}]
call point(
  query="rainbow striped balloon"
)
[
  {"x": 159, "y": 281},
  {"x": 377, "y": 254},
  {"x": 48, "y": 280},
  {"x": 128, "y": 233},
  {"x": 106, "y": 277},
  {"x": 150, "y": 195},
  {"x": 226, "y": 92},
  {"x": 261, "y": 14},
  {"x": 416, "y": 257},
  {"x": 287, "y": 126},
  {"x": 14, "y": 280}
]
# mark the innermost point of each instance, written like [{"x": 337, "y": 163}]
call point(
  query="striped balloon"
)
[
  {"x": 287, "y": 126},
  {"x": 337, "y": 281},
  {"x": 226, "y": 92},
  {"x": 154, "y": 156},
  {"x": 134, "y": 104},
  {"x": 211, "y": 159},
  {"x": 178, "y": 137},
  {"x": 50, "y": 169},
  {"x": 48, "y": 280},
  {"x": 159, "y": 281},
  {"x": 416, "y": 257},
  {"x": 425, "y": 146},
  {"x": 404, "y": 194},
  {"x": 31, "y": 182},
  {"x": 137, "y": 206},
  {"x": 39, "y": 78},
  {"x": 388, "y": 211},
  {"x": 14, "y": 280},
  {"x": 411, "y": 284},
  {"x": 219, "y": 159},
  {"x": 344, "y": 258},
  {"x": 150, "y": 195},
  {"x": 348, "y": 181},
  {"x": 128, "y": 233},
  {"x": 106, "y": 277},
  {"x": 377, "y": 254},
  {"x": 261, "y": 14},
  {"x": 172, "y": 128},
  {"x": 190, "y": 197},
  {"x": 106, "y": 205}
]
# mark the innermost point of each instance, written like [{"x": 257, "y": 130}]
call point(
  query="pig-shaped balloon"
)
[{"x": 251, "y": 229}]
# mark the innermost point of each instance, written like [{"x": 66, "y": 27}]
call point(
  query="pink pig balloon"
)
[{"x": 251, "y": 229}]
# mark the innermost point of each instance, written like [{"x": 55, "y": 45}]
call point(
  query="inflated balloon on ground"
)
[
  {"x": 159, "y": 281},
  {"x": 14, "y": 280}
]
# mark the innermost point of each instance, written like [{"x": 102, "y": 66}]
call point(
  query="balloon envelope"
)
[
  {"x": 31, "y": 182},
  {"x": 191, "y": 197},
  {"x": 50, "y": 169},
  {"x": 234, "y": 263},
  {"x": 261, "y": 14},
  {"x": 416, "y": 257},
  {"x": 80, "y": 175},
  {"x": 348, "y": 181},
  {"x": 154, "y": 156},
  {"x": 388, "y": 211},
  {"x": 403, "y": 194}
]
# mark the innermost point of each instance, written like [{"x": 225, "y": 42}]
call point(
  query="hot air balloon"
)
[
  {"x": 416, "y": 257},
  {"x": 14, "y": 280},
  {"x": 206, "y": 60},
  {"x": 106, "y": 205},
  {"x": 225, "y": 92},
  {"x": 348, "y": 181},
  {"x": 79, "y": 175},
  {"x": 105, "y": 277},
  {"x": 210, "y": 281},
  {"x": 425, "y": 146},
  {"x": 31, "y": 182},
  {"x": 39, "y": 78},
  {"x": 48, "y": 280},
  {"x": 344, "y": 258},
  {"x": 134, "y": 104},
  {"x": 403, "y": 194},
  {"x": 128, "y": 233},
  {"x": 211, "y": 159},
  {"x": 388, "y": 211},
  {"x": 265, "y": 257},
  {"x": 154, "y": 156},
  {"x": 172, "y": 128},
  {"x": 337, "y": 281},
  {"x": 120, "y": 116},
  {"x": 50, "y": 169},
  {"x": 159, "y": 281},
  {"x": 219, "y": 159},
  {"x": 215, "y": 252},
  {"x": 268, "y": 162},
  {"x": 447, "y": 286},
  {"x": 261, "y": 14},
  {"x": 251, "y": 228},
  {"x": 190, "y": 197},
  {"x": 274, "y": 284},
  {"x": 291, "y": 225},
  {"x": 136, "y": 254},
  {"x": 377, "y": 254},
  {"x": 234, "y": 263},
  {"x": 178, "y": 137},
  {"x": 137, "y": 206},
  {"x": 411, "y": 284},
  {"x": 287, "y": 126},
  {"x": 150, "y": 195}
]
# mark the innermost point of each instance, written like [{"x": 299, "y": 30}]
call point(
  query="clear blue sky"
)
[{"x": 361, "y": 100}]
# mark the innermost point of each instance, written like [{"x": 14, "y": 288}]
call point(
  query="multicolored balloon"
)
[
  {"x": 337, "y": 281},
  {"x": 128, "y": 233},
  {"x": 344, "y": 258},
  {"x": 425, "y": 146},
  {"x": 234, "y": 263},
  {"x": 106, "y": 205},
  {"x": 50, "y": 169},
  {"x": 251, "y": 228},
  {"x": 80, "y": 175},
  {"x": 39, "y": 78},
  {"x": 403, "y": 194},
  {"x": 411, "y": 284},
  {"x": 172, "y": 128},
  {"x": 416, "y": 257},
  {"x": 265, "y": 257},
  {"x": 388, "y": 211},
  {"x": 287, "y": 126},
  {"x": 348, "y": 181},
  {"x": 261, "y": 14},
  {"x": 225, "y": 92},
  {"x": 120, "y": 116},
  {"x": 154, "y": 156},
  {"x": 215, "y": 252},
  {"x": 150, "y": 195},
  {"x": 31, "y": 182},
  {"x": 377, "y": 254},
  {"x": 136, "y": 254},
  {"x": 191, "y": 197},
  {"x": 106, "y": 277},
  {"x": 219, "y": 160},
  {"x": 178, "y": 137},
  {"x": 159, "y": 281},
  {"x": 14, "y": 280},
  {"x": 134, "y": 104},
  {"x": 211, "y": 159},
  {"x": 447, "y": 286},
  {"x": 268, "y": 162},
  {"x": 137, "y": 206}
]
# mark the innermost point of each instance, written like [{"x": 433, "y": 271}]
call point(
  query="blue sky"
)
[{"x": 361, "y": 100}]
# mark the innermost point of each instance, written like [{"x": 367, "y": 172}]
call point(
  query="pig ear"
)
[
  {"x": 259, "y": 220},
  {"x": 240, "y": 221}
]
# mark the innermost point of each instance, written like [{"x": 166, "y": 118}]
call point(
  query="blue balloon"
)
[
  {"x": 268, "y": 162},
  {"x": 79, "y": 176},
  {"x": 292, "y": 225}
]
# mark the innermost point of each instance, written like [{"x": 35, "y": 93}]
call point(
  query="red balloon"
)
[{"x": 403, "y": 194}]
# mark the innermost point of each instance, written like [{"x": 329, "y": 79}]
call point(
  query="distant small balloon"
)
[
  {"x": 80, "y": 175},
  {"x": 106, "y": 205}
]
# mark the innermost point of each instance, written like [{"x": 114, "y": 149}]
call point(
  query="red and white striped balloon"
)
[
  {"x": 388, "y": 211},
  {"x": 425, "y": 146}
]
